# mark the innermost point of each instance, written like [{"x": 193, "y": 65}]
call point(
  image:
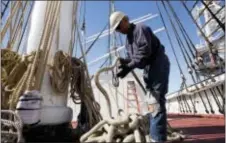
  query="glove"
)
[
  {"x": 124, "y": 61},
  {"x": 124, "y": 70}
]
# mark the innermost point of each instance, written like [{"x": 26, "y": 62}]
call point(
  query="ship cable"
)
[
  {"x": 208, "y": 100},
  {"x": 192, "y": 44},
  {"x": 214, "y": 16},
  {"x": 9, "y": 20},
  {"x": 221, "y": 95},
  {"x": 77, "y": 22},
  {"x": 189, "y": 48},
  {"x": 210, "y": 45},
  {"x": 6, "y": 6},
  {"x": 180, "y": 45},
  {"x": 193, "y": 104},
  {"x": 20, "y": 24},
  {"x": 180, "y": 105},
  {"x": 29, "y": 15},
  {"x": 91, "y": 45},
  {"x": 184, "y": 32},
  {"x": 91, "y": 103},
  {"x": 172, "y": 47},
  {"x": 189, "y": 69},
  {"x": 220, "y": 108},
  {"x": 17, "y": 29},
  {"x": 179, "y": 39},
  {"x": 186, "y": 103}
]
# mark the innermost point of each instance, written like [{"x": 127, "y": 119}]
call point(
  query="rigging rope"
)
[
  {"x": 109, "y": 35},
  {"x": 180, "y": 44},
  {"x": 29, "y": 15},
  {"x": 88, "y": 49},
  {"x": 210, "y": 45},
  {"x": 18, "y": 27},
  {"x": 94, "y": 115},
  {"x": 184, "y": 50},
  {"x": 172, "y": 47},
  {"x": 214, "y": 16},
  {"x": 186, "y": 38},
  {"x": 184, "y": 33}
]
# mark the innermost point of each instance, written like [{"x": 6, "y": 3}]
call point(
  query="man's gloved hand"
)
[
  {"x": 124, "y": 61},
  {"x": 124, "y": 70}
]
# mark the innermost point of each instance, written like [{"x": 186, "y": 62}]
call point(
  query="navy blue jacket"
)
[
  {"x": 146, "y": 52},
  {"x": 142, "y": 46}
]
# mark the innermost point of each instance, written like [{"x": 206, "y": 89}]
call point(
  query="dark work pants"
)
[{"x": 156, "y": 77}]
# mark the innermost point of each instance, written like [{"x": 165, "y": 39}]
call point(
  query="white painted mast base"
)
[{"x": 54, "y": 106}]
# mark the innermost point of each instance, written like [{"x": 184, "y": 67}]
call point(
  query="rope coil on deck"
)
[
  {"x": 11, "y": 130},
  {"x": 123, "y": 129}
]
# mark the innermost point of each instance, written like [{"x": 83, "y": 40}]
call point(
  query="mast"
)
[{"x": 53, "y": 102}]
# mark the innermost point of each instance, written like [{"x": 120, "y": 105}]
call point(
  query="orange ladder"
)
[{"x": 132, "y": 97}]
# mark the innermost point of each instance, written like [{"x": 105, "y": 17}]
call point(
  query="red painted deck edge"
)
[{"x": 196, "y": 115}]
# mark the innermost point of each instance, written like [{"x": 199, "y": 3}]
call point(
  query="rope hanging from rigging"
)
[{"x": 172, "y": 47}]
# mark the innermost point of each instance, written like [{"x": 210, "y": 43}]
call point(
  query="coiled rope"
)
[
  {"x": 11, "y": 130},
  {"x": 15, "y": 70}
]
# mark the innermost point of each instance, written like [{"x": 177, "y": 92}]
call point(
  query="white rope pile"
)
[
  {"x": 11, "y": 128},
  {"x": 126, "y": 128}
]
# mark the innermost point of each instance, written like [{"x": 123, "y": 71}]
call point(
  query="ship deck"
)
[{"x": 200, "y": 129}]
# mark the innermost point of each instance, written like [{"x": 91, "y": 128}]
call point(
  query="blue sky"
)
[{"x": 97, "y": 13}]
